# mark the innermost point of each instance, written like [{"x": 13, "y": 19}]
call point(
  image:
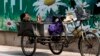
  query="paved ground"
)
[{"x": 16, "y": 51}]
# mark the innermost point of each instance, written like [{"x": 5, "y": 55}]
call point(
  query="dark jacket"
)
[{"x": 25, "y": 28}]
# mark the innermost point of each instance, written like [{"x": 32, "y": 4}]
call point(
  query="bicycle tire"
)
[
  {"x": 81, "y": 48},
  {"x": 56, "y": 50},
  {"x": 24, "y": 47}
]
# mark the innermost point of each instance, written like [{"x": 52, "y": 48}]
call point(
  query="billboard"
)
[{"x": 10, "y": 10}]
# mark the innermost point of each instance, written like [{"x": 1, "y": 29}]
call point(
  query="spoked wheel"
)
[
  {"x": 90, "y": 45},
  {"x": 56, "y": 46},
  {"x": 28, "y": 45}
]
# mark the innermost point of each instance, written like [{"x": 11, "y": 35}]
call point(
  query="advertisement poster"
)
[{"x": 10, "y": 11}]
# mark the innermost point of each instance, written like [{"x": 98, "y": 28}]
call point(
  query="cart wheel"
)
[
  {"x": 89, "y": 46},
  {"x": 56, "y": 47},
  {"x": 28, "y": 45}
]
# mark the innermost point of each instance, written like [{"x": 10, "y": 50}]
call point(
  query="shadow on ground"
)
[{"x": 19, "y": 53}]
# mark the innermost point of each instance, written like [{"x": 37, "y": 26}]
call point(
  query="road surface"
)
[{"x": 16, "y": 51}]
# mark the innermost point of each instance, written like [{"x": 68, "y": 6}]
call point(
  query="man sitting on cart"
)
[
  {"x": 30, "y": 26},
  {"x": 26, "y": 25}
]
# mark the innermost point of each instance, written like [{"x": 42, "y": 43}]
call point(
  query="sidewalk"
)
[{"x": 16, "y": 51}]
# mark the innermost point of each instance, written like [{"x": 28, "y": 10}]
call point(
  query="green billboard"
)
[{"x": 10, "y": 10}]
